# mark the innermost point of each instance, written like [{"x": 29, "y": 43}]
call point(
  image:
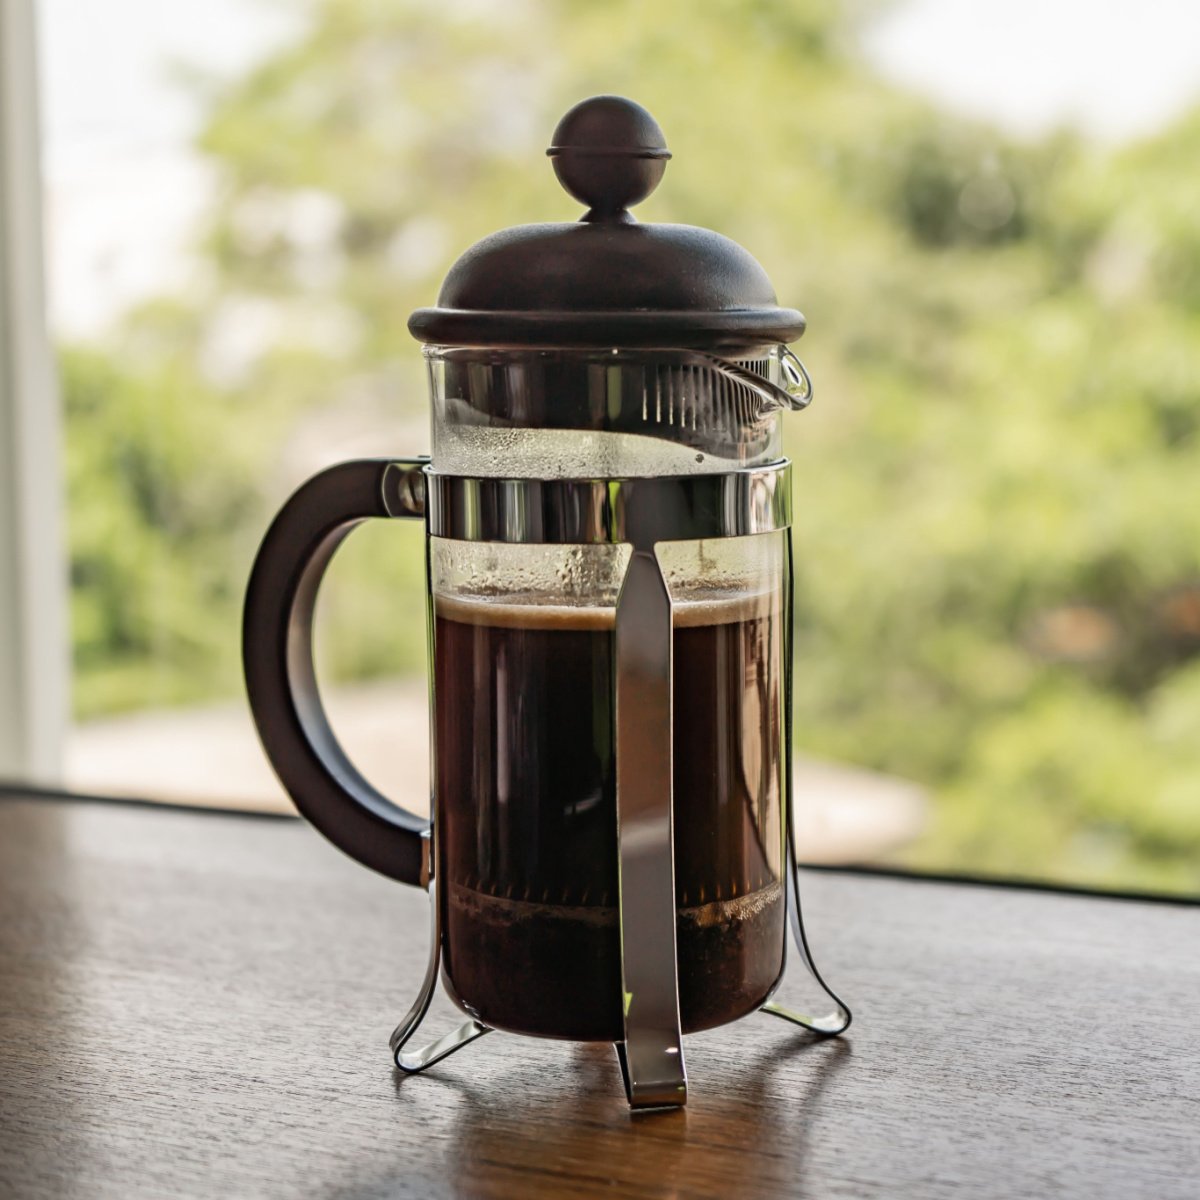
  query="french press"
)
[{"x": 607, "y": 509}]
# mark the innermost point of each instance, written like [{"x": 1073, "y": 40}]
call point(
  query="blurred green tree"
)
[{"x": 999, "y": 527}]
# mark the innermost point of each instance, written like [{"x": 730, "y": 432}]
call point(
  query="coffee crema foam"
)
[{"x": 512, "y": 611}]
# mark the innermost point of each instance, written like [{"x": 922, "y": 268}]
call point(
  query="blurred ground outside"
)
[{"x": 210, "y": 757}]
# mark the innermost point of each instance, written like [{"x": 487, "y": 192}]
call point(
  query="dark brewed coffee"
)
[{"x": 527, "y": 812}]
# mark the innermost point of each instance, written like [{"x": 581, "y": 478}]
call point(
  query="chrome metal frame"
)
[
  {"x": 456, "y": 1039},
  {"x": 672, "y": 508},
  {"x": 642, "y": 513}
]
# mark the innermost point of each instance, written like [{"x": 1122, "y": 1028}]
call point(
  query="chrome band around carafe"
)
[{"x": 642, "y": 511}]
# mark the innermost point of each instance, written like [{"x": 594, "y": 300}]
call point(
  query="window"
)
[{"x": 998, "y": 550}]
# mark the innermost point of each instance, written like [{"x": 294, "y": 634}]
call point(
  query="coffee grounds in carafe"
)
[{"x": 527, "y": 811}]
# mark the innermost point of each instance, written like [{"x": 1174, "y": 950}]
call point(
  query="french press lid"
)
[{"x": 606, "y": 280}]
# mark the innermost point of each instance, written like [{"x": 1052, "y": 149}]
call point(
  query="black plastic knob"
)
[{"x": 610, "y": 154}]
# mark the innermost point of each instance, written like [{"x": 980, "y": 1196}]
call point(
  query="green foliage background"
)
[{"x": 998, "y": 488}]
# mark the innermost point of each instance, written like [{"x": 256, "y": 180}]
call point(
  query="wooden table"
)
[{"x": 199, "y": 1005}]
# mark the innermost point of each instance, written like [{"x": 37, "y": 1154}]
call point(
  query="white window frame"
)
[{"x": 34, "y": 652}]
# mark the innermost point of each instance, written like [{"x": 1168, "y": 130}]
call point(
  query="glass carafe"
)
[{"x": 525, "y": 687}]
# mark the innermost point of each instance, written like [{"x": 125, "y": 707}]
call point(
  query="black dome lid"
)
[{"x": 607, "y": 280}]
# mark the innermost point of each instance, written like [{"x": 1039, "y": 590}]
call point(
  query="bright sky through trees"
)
[{"x": 125, "y": 186}]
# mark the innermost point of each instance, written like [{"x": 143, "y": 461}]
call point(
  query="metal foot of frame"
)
[
  {"x": 835, "y": 1022},
  {"x": 658, "y": 1080},
  {"x": 415, "y": 1061}
]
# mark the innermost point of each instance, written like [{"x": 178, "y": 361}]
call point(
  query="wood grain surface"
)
[{"x": 197, "y": 1005}]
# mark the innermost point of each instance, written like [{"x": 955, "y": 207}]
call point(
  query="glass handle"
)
[{"x": 277, "y": 656}]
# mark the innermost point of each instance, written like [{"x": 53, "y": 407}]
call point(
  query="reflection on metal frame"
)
[{"x": 642, "y": 512}]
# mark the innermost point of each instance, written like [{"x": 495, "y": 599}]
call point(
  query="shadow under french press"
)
[{"x": 551, "y": 1119}]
